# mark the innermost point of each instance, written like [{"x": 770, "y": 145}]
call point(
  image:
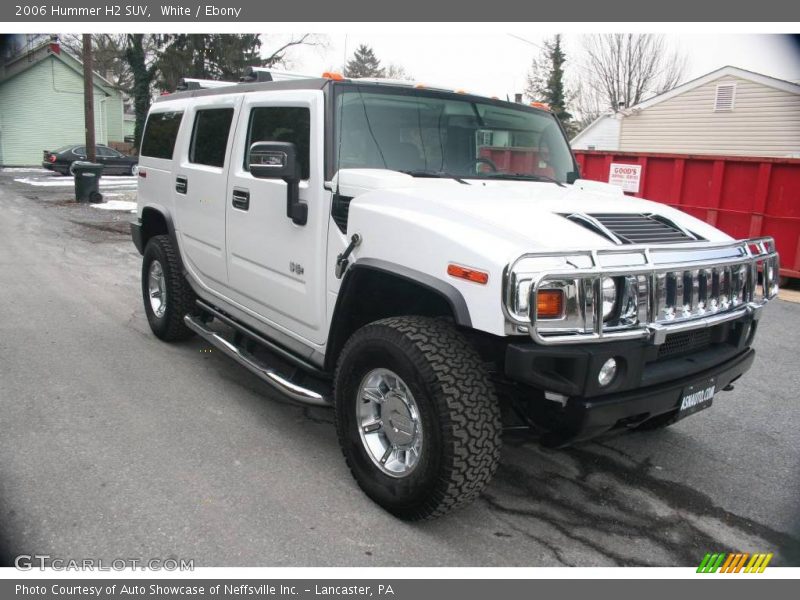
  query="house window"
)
[{"x": 726, "y": 94}]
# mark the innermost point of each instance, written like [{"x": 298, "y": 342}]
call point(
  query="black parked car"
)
[{"x": 115, "y": 162}]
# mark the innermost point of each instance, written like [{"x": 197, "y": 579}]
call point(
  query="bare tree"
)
[
  {"x": 395, "y": 71},
  {"x": 588, "y": 103},
  {"x": 108, "y": 50},
  {"x": 625, "y": 69},
  {"x": 278, "y": 55}
]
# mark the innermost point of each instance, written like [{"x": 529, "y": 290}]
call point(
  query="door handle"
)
[
  {"x": 241, "y": 199},
  {"x": 181, "y": 185}
]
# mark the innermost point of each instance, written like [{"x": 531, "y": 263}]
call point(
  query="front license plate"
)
[{"x": 697, "y": 397}]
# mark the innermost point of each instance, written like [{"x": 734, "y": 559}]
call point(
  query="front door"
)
[{"x": 276, "y": 268}]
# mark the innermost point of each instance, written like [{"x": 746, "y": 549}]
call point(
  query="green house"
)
[{"x": 41, "y": 105}]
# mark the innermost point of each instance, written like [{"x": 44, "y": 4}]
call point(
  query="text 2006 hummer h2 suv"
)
[{"x": 431, "y": 265}]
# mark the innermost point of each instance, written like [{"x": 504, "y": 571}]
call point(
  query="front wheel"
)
[
  {"x": 166, "y": 293},
  {"x": 416, "y": 415}
]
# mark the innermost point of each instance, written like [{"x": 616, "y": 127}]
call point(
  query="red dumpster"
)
[{"x": 742, "y": 196}]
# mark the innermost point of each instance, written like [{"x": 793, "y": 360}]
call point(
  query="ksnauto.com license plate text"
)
[{"x": 697, "y": 397}]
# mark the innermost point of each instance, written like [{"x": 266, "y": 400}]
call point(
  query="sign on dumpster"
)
[{"x": 625, "y": 176}]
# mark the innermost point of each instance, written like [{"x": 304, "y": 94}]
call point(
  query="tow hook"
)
[{"x": 342, "y": 261}]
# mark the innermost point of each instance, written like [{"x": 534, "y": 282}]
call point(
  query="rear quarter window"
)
[{"x": 160, "y": 134}]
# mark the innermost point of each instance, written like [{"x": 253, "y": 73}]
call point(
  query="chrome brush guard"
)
[{"x": 658, "y": 289}]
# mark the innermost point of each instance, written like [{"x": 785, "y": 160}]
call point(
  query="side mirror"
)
[{"x": 278, "y": 160}]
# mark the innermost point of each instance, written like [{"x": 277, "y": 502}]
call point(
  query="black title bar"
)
[{"x": 100, "y": 11}]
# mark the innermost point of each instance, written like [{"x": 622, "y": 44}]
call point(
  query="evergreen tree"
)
[
  {"x": 363, "y": 64},
  {"x": 207, "y": 56},
  {"x": 546, "y": 80}
]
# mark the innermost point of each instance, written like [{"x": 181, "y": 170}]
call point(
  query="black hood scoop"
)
[{"x": 634, "y": 228}]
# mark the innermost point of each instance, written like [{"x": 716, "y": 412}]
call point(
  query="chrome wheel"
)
[
  {"x": 389, "y": 423},
  {"x": 157, "y": 289}
]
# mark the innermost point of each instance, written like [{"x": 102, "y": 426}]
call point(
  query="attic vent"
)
[{"x": 726, "y": 93}]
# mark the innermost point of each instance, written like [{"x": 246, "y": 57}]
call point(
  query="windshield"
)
[{"x": 426, "y": 134}]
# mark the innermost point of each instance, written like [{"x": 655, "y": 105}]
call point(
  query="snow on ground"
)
[
  {"x": 23, "y": 170},
  {"x": 117, "y": 205},
  {"x": 105, "y": 182}
]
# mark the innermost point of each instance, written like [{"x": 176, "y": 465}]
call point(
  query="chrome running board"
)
[{"x": 271, "y": 376}]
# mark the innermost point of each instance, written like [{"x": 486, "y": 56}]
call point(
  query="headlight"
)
[{"x": 609, "y": 297}]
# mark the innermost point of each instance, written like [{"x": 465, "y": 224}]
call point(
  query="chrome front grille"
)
[
  {"x": 697, "y": 292},
  {"x": 660, "y": 289}
]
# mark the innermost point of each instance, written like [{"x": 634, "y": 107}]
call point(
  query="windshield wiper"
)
[
  {"x": 525, "y": 176},
  {"x": 426, "y": 173}
]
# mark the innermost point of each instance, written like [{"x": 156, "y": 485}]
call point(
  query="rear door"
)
[
  {"x": 277, "y": 268},
  {"x": 200, "y": 183}
]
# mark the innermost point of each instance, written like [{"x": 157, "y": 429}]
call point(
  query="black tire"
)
[
  {"x": 459, "y": 414},
  {"x": 181, "y": 300}
]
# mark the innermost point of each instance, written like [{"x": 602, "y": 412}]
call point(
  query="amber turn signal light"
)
[
  {"x": 549, "y": 304},
  {"x": 469, "y": 274}
]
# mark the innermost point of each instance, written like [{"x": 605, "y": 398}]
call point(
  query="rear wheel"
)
[
  {"x": 166, "y": 293},
  {"x": 416, "y": 415}
]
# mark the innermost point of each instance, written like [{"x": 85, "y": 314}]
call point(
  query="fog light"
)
[{"x": 607, "y": 372}]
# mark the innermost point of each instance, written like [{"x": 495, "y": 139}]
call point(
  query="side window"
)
[
  {"x": 103, "y": 151},
  {"x": 80, "y": 150},
  {"x": 160, "y": 134},
  {"x": 210, "y": 136},
  {"x": 281, "y": 124}
]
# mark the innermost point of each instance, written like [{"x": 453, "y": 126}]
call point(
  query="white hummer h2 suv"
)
[{"x": 430, "y": 264}]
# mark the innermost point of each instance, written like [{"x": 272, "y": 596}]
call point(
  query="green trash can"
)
[{"x": 87, "y": 181}]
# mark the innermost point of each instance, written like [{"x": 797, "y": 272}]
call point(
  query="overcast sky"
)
[{"x": 496, "y": 64}]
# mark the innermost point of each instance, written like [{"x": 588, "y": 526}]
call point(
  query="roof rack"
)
[
  {"x": 189, "y": 83},
  {"x": 259, "y": 74}
]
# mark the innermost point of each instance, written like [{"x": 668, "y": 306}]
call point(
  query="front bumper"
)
[
  {"x": 586, "y": 418},
  {"x": 560, "y": 390}
]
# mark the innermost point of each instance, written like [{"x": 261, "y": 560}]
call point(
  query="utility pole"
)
[{"x": 88, "y": 97}]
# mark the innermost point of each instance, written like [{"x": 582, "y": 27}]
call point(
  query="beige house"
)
[{"x": 729, "y": 111}]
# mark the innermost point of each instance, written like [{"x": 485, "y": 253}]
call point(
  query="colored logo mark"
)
[{"x": 734, "y": 562}]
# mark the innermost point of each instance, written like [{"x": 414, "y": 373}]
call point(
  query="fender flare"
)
[
  {"x": 447, "y": 292},
  {"x": 138, "y": 234}
]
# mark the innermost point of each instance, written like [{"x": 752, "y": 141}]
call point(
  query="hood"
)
[{"x": 530, "y": 214}]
